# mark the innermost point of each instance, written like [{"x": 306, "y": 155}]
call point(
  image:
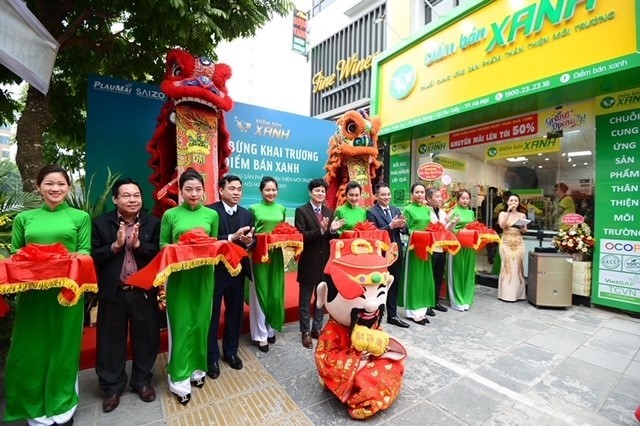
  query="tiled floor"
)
[{"x": 498, "y": 364}]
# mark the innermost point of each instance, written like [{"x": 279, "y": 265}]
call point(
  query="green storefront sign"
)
[
  {"x": 399, "y": 172},
  {"x": 616, "y": 263}
]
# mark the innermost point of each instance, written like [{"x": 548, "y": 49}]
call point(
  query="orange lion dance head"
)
[{"x": 353, "y": 152}]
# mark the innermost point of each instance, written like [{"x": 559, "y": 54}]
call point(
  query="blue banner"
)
[{"x": 122, "y": 116}]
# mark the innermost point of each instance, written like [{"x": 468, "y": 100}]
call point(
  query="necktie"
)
[
  {"x": 233, "y": 221},
  {"x": 387, "y": 213},
  {"x": 318, "y": 213}
]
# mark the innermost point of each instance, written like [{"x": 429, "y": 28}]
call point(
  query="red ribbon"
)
[
  {"x": 476, "y": 236},
  {"x": 44, "y": 266},
  {"x": 283, "y": 235}
]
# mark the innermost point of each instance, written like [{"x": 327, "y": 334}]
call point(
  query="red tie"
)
[{"x": 318, "y": 213}]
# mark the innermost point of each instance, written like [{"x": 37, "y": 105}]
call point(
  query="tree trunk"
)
[{"x": 34, "y": 121}]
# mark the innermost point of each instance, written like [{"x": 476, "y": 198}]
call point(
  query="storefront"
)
[{"x": 523, "y": 96}]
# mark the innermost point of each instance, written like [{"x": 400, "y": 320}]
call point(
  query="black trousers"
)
[
  {"x": 135, "y": 313},
  {"x": 231, "y": 289},
  {"x": 392, "y": 294},
  {"x": 307, "y": 291},
  {"x": 439, "y": 262}
]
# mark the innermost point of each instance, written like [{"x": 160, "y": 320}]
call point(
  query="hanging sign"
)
[{"x": 430, "y": 171}]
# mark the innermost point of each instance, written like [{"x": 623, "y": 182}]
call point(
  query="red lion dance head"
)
[
  {"x": 197, "y": 96},
  {"x": 353, "y": 152}
]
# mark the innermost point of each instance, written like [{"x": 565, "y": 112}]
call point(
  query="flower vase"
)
[{"x": 578, "y": 257}]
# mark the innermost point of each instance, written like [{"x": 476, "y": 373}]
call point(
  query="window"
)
[
  {"x": 6, "y": 154},
  {"x": 320, "y": 5},
  {"x": 4, "y": 140}
]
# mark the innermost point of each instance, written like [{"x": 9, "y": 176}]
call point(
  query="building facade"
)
[{"x": 523, "y": 96}]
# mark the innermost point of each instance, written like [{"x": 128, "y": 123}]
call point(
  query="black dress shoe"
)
[
  {"x": 315, "y": 334},
  {"x": 184, "y": 400},
  {"x": 234, "y": 362},
  {"x": 199, "y": 383},
  {"x": 430, "y": 312},
  {"x": 397, "y": 322},
  {"x": 214, "y": 370},
  {"x": 263, "y": 348},
  {"x": 440, "y": 308},
  {"x": 271, "y": 340},
  {"x": 423, "y": 321}
]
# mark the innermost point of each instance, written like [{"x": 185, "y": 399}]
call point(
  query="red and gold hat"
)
[{"x": 356, "y": 262}]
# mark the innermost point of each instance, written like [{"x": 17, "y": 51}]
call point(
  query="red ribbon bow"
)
[
  {"x": 41, "y": 252},
  {"x": 285, "y": 228},
  {"x": 196, "y": 236},
  {"x": 365, "y": 226}
]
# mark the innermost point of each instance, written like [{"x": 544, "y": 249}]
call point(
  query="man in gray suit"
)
[{"x": 390, "y": 219}]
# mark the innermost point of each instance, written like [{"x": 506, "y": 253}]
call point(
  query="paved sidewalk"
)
[{"x": 497, "y": 364}]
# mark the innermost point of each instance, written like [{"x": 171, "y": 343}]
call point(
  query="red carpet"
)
[{"x": 88, "y": 351}]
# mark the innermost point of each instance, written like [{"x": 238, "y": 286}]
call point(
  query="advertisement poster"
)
[
  {"x": 122, "y": 116},
  {"x": 399, "y": 173},
  {"x": 616, "y": 263}
]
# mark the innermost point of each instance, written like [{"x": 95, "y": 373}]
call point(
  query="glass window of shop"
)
[{"x": 546, "y": 157}]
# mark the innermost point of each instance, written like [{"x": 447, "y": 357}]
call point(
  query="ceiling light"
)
[
  {"x": 539, "y": 167},
  {"x": 516, "y": 159},
  {"x": 539, "y": 153},
  {"x": 579, "y": 153},
  {"x": 574, "y": 164},
  {"x": 586, "y": 164},
  {"x": 569, "y": 160},
  {"x": 571, "y": 131},
  {"x": 563, "y": 154},
  {"x": 546, "y": 159}
]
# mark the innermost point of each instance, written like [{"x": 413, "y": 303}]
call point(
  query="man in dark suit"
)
[
  {"x": 236, "y": 225},
  {"x": 390, "y": 219},
  {"x": 124, "y": 241},
  {"x": 316, "y": 223}
]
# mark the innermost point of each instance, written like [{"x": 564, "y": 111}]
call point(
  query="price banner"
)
[
  {"x": 616, "y": 262},
  {"x": 499, "y": 131}
]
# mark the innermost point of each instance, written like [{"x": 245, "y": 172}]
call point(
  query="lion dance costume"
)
[
  {"x": 353, "y": 152},
  {"x": 191, "y": 130},
  {"x": 360, "y": 363}
]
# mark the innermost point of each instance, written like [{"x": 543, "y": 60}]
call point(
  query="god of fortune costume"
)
[
  {"x": 44, "y": 357},
  {"x": 357, "y": 361}
]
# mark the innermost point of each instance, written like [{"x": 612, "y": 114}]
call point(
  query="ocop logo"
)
[
  {"x": 422, "y": 148},
  {"x": 607, "y": 102},
  {"x": 492, "y": 152},
  {"x": 610, "y": 261}
]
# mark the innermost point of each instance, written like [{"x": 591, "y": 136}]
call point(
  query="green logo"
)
[
  {"x": 607, "y": 102},
  {"x": 422, "y": 148},
  {"x": 492, "y": 152},
  {"x": 403, "y": 81}
]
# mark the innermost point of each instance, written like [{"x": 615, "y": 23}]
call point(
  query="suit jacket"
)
[
  {"x": 315, "y": 253},
  {"x": 109, "y": 264},
  {"x": 245, "y": 218},
  {"x": 376, "y": 215}
]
